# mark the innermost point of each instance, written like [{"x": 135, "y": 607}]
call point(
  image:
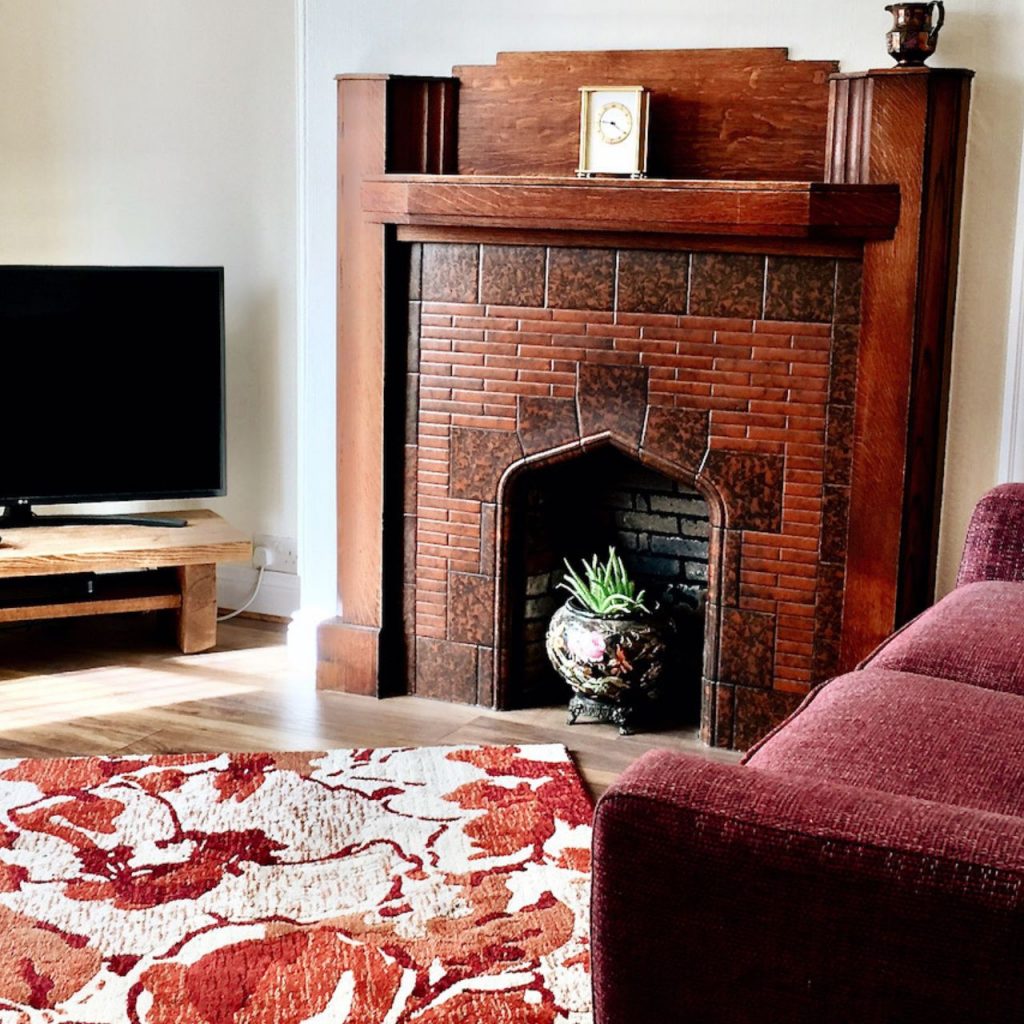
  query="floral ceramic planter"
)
[{"x": 613, "y": 663}]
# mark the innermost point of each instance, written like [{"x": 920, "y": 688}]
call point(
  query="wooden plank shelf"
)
[{"x": 750, "y": 209}]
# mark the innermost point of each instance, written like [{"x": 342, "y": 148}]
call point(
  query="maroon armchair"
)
[{"x": 865, "y": 862}]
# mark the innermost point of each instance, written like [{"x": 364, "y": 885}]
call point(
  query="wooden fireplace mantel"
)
[
  {"x": 752, "y": 209},
  {"x": 776, "y": 161}
]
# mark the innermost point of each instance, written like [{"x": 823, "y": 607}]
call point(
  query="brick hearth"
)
[{"x": 733, "y": 374}]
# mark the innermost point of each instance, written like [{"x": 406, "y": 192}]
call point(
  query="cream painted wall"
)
[
  {"x": 428, "y": 36},
  {"x": 164, "y": 132}
]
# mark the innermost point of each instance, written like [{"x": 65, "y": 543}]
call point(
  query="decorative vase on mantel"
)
[
  {"x": 613, "y": 663},
  {"x": 915, "y": 31}
]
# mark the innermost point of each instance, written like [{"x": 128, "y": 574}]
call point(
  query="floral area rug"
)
[{"x": 420, "y": 886}]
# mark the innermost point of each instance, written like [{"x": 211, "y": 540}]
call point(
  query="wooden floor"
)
[{"x": 117, "y": 686}]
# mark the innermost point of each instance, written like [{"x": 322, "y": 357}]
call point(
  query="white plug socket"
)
[{"x": 262, "y": 557}]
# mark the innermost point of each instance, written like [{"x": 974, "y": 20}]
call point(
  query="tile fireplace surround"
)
[{"x": 736, "y": 371}]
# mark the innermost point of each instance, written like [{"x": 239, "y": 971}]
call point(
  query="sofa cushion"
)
[
  {"x": 907, "y": 734},
  {"x": 974, "y": 634}
]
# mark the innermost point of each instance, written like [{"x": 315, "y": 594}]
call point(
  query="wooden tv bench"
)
[{"x": 60, "y": 572}]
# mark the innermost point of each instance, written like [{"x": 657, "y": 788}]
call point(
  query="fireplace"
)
[
  {"x": 728, "y": 374},
  {"x": 746, "y": 378}
]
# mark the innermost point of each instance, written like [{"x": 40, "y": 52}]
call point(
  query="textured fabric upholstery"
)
[
  {"x": 966, "y": 746},
  {"x": 866, "y": 863},
  {"x": 974, "y": 634},
  {"x": 725, "y": 895},
  {"x": 995, "y": 538}
]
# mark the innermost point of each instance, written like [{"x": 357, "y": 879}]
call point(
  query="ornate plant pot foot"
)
[{"x": 603, "y": 711}]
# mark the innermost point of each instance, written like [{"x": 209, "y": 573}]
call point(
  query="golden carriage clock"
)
[{"x": 613, "y": 130}]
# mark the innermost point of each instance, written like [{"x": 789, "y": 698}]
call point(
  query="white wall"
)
[
  {"x": 164, "y": 132},
  {"x": 428, "y": 36}
]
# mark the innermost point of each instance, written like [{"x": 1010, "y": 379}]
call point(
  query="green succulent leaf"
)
[{"x": 607, "y": 588}]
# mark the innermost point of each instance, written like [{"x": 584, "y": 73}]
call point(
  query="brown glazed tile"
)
[
  {"x": 750, "y": 485},
  {"x": 409, "y": 637},
  {"x": 612, "y": 398},
  {"x": 415, "y": 272},
  {"x": 729, "y": 590},
  {"x": 652, "y": 282},
  {"x": 446, "y": 670},
  {"x": 470, "y": 608},
  {"x": 842, "y": 387},
  {"x": 478, "y": 458},
  {"x": 746, "y": 647},
  {"x": 412, "y": 403},
  {"x": 848, "y": 282},
  {"x": 726, "y": 284},
  {"x": 679, "y": 436},
  {"x": 512, "y": 275},
  {"x": 800, "y": 288},
  {"x": 581, "y": 278},
  {"x": 828, "y": 621},
  {"x": 759, "y": 711},
  {"x": 485, "y": 677},
  {"x": 450, "y": 272},
  {"x": 546, "y": 423},
  {"x": 834, "y": 523},
  {"x": 412, "y": 355},
  {"x": 410, "y": 484},
  {"x": 409, "y": 553},
  {"x": 487, "y": 539},
  {"x": 725, "y": 707},
  {"x": 839, "y": 445}
]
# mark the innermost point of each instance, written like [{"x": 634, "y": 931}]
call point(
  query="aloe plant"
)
[{"x": 607, "y": 588}]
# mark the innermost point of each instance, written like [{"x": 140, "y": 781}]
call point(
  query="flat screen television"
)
[{"x": 113, "y": 386}]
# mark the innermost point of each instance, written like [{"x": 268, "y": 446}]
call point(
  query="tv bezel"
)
[{"x": 107, "y": 496}]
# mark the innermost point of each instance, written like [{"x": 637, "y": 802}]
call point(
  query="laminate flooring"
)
[{"x": 118, "y": 686}]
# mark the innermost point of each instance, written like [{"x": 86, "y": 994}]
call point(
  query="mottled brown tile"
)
[
  {"x": 726, "y": 284},
  {"x": 828, "y": 621},
  {"x": 488, "y": 564},
  {"x": 546, "y": 423},
  {"x": 450, "y": 272},
  {"x": 412, "y": 402},
  {"x": 478, "y": 458},
  {"x": 759, "y": 711},
  {"x": 750, "y": 485},
  {"x": 581, "y": 278},
  {"x": 652, "y": 282},
  {"x": 446, "y": 670},
  {"x": 415, "y": 272},
  {"x": 725, "y": 713},
  {"x": 612, "y": 398},
  {"x": 408, "y": 683},
  {"x": 800, "y": 288},
  {"x": 512, "y": 275},
  {"x": 747, "y": 647},
  {"x": 679, "y": 436},
  {"x": 839, "y": 445},
  {"x": 848, "y": 285},
  {"x": 729, "y": 590},
  {"x": 834, "y": 523},
  {"x": 843, "y": 364},
  {"x": 409, "y": 554},
  {"x": 485, "y": 677},
  {"x": 412, "y": 352},
  {"x": 470, "y": 608}
]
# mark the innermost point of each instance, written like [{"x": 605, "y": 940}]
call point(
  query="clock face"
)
[
  {"x": 614, "y": 123},
  {"x": 613, "y": 130}
]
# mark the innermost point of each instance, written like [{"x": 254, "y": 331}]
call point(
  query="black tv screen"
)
[{"x": 113, "y": 383}]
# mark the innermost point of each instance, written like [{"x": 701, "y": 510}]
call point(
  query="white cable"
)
[{"x": 252, "y": 597}]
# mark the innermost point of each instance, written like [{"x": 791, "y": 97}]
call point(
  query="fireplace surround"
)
[{"x": 772, "y": 351}]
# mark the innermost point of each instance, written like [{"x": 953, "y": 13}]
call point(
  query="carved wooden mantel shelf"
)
[{"x": 752, "y": 209}]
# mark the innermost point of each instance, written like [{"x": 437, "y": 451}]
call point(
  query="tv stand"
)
[
  {"x": 102, "y": 568},
  {"x": 21, "y": 515}
]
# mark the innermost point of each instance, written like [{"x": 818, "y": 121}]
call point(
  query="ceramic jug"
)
[{"x": 915, "y": 30}]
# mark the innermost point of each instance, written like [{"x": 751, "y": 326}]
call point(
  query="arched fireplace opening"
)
[{"x": 581, "y": 506}]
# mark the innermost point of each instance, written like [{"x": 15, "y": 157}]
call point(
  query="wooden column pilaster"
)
[
  {"x": 907, "y": 126},
  {"x": 386, "y": 123}
]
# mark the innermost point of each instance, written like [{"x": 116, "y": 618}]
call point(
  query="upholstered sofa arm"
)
[
  {"x": 995, "y": 538},
  {"x": 732, "y": 894}
]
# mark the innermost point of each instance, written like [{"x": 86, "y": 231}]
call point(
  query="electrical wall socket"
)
[{"x": 283, "y": 550}]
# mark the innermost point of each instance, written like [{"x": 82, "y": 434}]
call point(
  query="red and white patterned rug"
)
[{"x": 420, "y": 886}]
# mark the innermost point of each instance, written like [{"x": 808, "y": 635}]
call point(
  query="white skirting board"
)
[{"x": 279, "y": 593}]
